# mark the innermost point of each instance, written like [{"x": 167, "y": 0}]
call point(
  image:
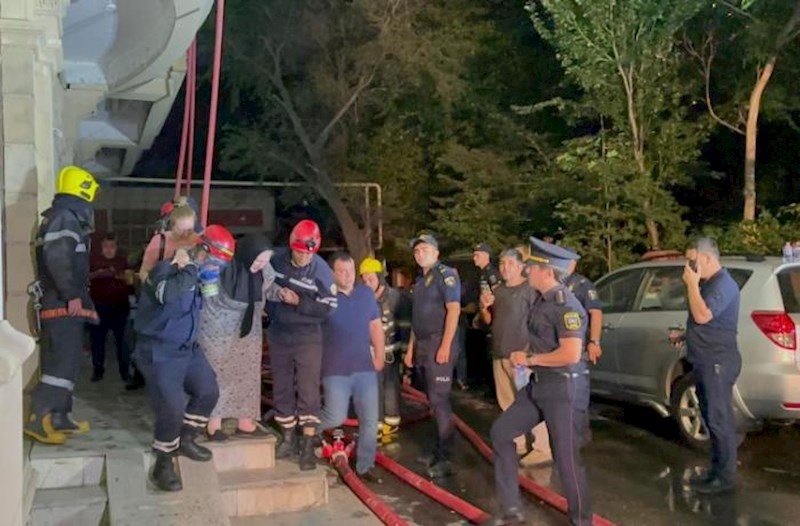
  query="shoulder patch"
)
[
  {"x": 572, "y": 321},
  {"x": 450, "y": 281},
  {"x": 334, "y": 289},
  {"x": 592, "y": 294}
]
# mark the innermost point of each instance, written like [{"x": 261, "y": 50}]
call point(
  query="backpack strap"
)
[{"x": 162, "y": 247}]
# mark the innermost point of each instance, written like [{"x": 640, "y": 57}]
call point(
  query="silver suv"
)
[{"x": 642, "y": 302}]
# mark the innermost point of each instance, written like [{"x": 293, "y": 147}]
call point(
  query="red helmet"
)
[
  {"x": 219, "y": 242},
  {"x": 167, "y": 208},
  {"x": 305, "y": 237}
]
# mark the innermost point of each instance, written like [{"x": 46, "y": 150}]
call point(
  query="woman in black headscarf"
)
[{"x": 231, "y": 336}]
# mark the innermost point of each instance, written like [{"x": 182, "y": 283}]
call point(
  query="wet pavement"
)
[{"x": 638, "y": 472}]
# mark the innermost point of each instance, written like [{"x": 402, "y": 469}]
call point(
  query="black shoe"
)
[
  {"x": 426, "y": 460},
  {"x": 715, "y": 486},
  {"x": 137, "y": 382},
  {"x": 701, "y": 478},
  {"x": 164, "y": 475},
  {"x": 289, "y": 444},
  {"x": 510, "y": 517},
  {"x": 440, "y": 469},
  {"x": 307, "y": 460},
  {"x": 189, "y": 448},
  {"x": 371, "y": 476},
  {"x": 96, "y": 376},
  {"x": 217, "y": 436}
]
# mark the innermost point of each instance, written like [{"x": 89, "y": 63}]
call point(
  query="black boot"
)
[
  {"x": 288, "y": 445},
  {"x": 189, "y": 448},
  {"x": 164, "y": 475},
  {"x": 307, "y": 459}
]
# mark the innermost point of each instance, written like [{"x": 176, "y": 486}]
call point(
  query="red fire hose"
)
[
  {"x": 212, "y": 112},
  {"x": 547, "y": 495},
  {"x": 471, "y": 513}
]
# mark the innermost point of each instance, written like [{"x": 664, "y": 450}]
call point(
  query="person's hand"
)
[
  {"x": 691, "y": 276},
  {"x": 595, "y": 352},
  {"x": 408, "y": 359},
  {"x": 443, "y": 355},
  {"x": 181, "y": 258},
  {"x": 676, "y": 337},
  {"x": 487, "y": 300},
  {"x": 74, "y": 307},
  {"x": 519, "y": 358},
  {"x": 289, "y": 296}
]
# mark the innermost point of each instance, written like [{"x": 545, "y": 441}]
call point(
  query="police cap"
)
[
  {"x": 482, "y": 247},
  {"x": 543, "y": 253},
  {"x": 424, "y": 237}
]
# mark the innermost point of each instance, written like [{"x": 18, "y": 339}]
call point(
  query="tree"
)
[
  {"x": 758, "y": 36},
  {"x": 622, "y": 55}
]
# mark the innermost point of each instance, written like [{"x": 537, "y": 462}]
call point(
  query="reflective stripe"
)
[
  {"x": 80, "y": 247},
  {"x": 194, "y": 423},
  {"x": 160, "y": 291},
  {"x": 308, "y": 419},
  {"x": 55, "y": 236},
  {"x": 58, "y": 382},
  {"x": 166, "y": 447},
  {"x": 303, "y": 285},
  {"x": 199, "y": 418},
  {"x": 332, "y": 302}
]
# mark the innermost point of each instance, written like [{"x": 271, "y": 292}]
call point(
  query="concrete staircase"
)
[{"x": 244, "y": 482}]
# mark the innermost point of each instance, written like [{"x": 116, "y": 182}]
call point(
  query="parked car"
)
[{"x": 643, "y": 301}]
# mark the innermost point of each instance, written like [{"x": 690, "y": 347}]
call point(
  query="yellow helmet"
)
[
  {"x": 370, "y": 265},
  {"x": 76, "y": 181}
]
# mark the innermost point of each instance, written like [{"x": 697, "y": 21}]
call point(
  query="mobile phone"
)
[{"x": 693, "y": 265}]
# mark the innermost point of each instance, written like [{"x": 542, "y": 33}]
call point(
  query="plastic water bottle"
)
[
  {"x": 788, "y": 253},
  {"x": 520, "y": 376},
  {"x": 796, "y": 253}
]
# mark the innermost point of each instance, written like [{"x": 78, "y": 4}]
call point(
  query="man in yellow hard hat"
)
[
  {"x": 62, "y": 259},
  {"x": 394, "y": 309}
]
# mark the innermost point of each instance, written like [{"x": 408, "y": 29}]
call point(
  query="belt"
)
[
  {"x": 538, "y": 375},
  {"x": 61, "y": 312}
]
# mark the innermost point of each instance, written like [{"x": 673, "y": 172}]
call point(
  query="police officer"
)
[
  {"x": 62, "y": 260},
  {"x": 300, "y": 299},
  {"x": 558, "y": 391},
  {"x": 167, "y": 322},
  {"x": 490, "y": 277},
  {"x": 716, "y": 363},
  {"x": 435, "y": 311},
  {"x": 585, "y": 291},
  {"x": 390, "y": 302}
]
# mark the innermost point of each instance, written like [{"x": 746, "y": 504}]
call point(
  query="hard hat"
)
[
  {"x": 219, "y": 242},
  {"x": 76, "y": 181},
  {"x": 305, "y": 237},
  {"x": 370, "y": 265},
  {"x": 167, "y": 208}
]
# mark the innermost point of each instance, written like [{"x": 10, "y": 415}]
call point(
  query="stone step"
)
[
  {"x": 54, "y": 472},
  {"x": 134, "y": 501},
  {"x": 264, "y": 492},
  {"x": 243, "y": 454},
  {"x": 68, "y": 506}
]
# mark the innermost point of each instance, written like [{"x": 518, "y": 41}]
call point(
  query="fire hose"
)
[{"x": 546, "y": 495}]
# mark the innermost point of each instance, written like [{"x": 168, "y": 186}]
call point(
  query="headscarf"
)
[{"x": 239, "y": 283}]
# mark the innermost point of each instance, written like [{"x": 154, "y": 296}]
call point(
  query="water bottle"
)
[
  {"x": 788, "y": 253},
  {"x": 796, "y": 253},
  {"x": 520, "y": 376}
]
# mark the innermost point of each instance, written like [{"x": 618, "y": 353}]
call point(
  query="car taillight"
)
[{"x": 778, "y": 327}]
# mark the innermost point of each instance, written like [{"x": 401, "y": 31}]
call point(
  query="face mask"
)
[{"x": 210, "y": 271}]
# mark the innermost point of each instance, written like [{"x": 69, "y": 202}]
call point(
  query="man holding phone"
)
[{"x": 713, "y": 298}]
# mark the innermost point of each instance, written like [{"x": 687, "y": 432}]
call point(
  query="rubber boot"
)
[
  {"x": 164, "y": 475},
  {"x": 189, "y": 448},
  {"x": 64, "y": 423},
  {"x": 307, "y": 459},
  {"x": 288, "y": 445},
  {"x": 40, "y": 428}
]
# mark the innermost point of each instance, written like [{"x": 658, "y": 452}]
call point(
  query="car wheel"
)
[{"x": 685, "y": 408}]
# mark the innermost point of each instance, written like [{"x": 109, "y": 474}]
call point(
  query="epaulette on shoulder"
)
[
  {"x": 443, "y": 269},
  {"x": 561, "y": 297}
]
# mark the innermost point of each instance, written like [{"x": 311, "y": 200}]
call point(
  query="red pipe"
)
[
  {"x": 471, "y": 513},
  {"x": 192, "y": 108},
  {"x": 185, "y": 130},
  {"x": 212, "y": 113},
  {"x": 367, "y": 496},
  {"x": 545, "y": 494}
]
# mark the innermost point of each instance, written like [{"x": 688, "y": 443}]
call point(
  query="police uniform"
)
[
  {"x": 557, "y": 395},
  {"x": 62, "y": 259},
  {"x": 295, "y": 338},
  {"x": 167, "y": 322},
  {"x": 583, "y": 289},
  {"x": 430, "y": 294}
]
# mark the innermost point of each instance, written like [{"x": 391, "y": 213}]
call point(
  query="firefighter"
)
[
  {"x": 390, "y": 302},
  {"x": 298, "y": 302},
  {"x": 168, "y": 355},
  {"x": 62, "y": 266}
]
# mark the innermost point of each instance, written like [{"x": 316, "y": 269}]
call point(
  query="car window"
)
[
  {"x": 741, "y": 275},
  {"x": 618, "y": 291},
  {"x": 789, "y": 283},
  {"x": 663, "y": 290}
]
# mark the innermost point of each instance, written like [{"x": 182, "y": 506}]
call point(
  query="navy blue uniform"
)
[
  {"x": 295, "y": 338},
  {"x": 430, "y": 295},
  {"x": 62, "y": 259},
  {"x": 583, "y": 289},
  {"x": 557, "y": 395},
  {"x": 166, "y": 323},
  {"x": 713, "y": 352}
]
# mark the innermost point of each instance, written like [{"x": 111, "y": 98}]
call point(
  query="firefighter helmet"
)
[
  {"x": 219, "y": 242},
  {"x": 305, "y": 237},
  {"x": 73, "y": 180},
  {"x": 370, "y": 265}
]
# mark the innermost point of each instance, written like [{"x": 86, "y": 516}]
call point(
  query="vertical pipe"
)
[
  {"x": 185, "y": 128},
  {"x": 192, "y": 107},
  {"x": 212, "y": 117}
]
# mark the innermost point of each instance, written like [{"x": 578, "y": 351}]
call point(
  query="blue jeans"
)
[{"x": 363, "y": 388}]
